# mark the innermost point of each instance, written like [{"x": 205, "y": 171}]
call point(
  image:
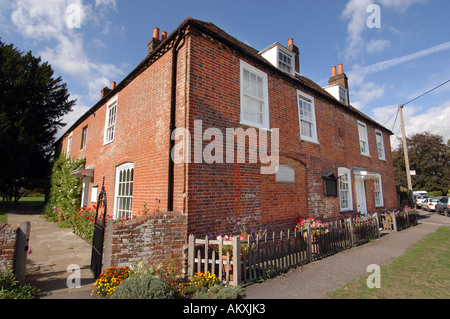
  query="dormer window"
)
[
  {"x": 281, "y": 57},
  {"x": 284, "y": 61},
  {"x": 343, "y": 95}
]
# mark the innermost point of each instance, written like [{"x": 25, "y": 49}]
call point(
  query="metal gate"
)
[{"x": 99, "y": 233}]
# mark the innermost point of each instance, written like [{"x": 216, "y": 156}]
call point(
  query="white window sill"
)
[
  {"x": 255, "y": 125},
  {"x": 306, "y": 139}
]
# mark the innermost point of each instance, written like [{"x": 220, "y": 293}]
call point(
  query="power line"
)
[
  {"x": 427, "y": 92},
  {"x": 395, "y": 121}
]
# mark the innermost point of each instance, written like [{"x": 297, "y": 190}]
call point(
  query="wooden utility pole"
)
[{"x": 405, "y": 151}]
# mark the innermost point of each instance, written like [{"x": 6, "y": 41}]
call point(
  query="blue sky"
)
[{"x": 406, "y": 56}]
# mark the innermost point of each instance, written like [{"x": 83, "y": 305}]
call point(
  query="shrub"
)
[
  {"x": 219, "y": 292},
  {"x": 65, "y": 191},
  {"x": 143, "y": 287},
  {"x": 109, "y": 280},
  {"x": 10, "y": 288}
]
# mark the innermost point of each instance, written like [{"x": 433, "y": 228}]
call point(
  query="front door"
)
[{"x": 361, "y": 196}]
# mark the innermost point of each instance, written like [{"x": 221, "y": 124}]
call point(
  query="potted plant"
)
[
  {"x": 317, "y": 230},
  {"x": 247, "y": 245}
]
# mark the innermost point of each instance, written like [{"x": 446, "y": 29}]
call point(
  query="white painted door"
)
[{"x": 361, "y": 196}]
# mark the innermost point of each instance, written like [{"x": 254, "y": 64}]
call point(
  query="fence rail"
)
[
  {"x": 269, "y": 255},
  {"x": 397, "y": 221}
]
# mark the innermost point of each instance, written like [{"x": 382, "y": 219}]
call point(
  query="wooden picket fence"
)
[
  {"x": 391, "y": 221},
  {"x": 262, "y": 257}
]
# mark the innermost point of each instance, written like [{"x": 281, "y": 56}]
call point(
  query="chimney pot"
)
[
  {"x": 113, "y": 85},
  {"x": 291, "y": 42},
  {"x": 333, "y": 71},
  {"x": 340, "y": 69},
  {"x": 156, "y": 33},
  {"x": 163, "y": 35}
]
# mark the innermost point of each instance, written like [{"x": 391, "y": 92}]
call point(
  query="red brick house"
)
[{"x": 332, "y": 159}]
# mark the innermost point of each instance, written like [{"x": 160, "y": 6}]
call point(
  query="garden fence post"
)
[
  {"x": 407, "y": 219},
  {"x": 107, "y": 250},
  {"x": 351, "y": 231},
  {"x": 23, "y": 238},
  {"x": 394, "y": 221},
  {"x": 191, "y": 256},
  {"x": 309, "y": 243},
  {"x": 378, "y": 224},
  {"x": 236, "y": 261}
]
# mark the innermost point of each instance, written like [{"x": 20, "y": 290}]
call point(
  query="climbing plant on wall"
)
[{"x": 65, "y": 191}]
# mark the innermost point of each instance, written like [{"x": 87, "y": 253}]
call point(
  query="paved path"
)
[
  {"x": 53, "y": 249},
  {"x": 317, "y": 279}
]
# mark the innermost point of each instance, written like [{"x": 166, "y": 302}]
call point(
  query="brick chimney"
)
[
  {"x": 155, "y": 41},
  {"x": 292, "y": 47},
  {"x": 106, "y": 90},
  {"x": 339, "y": 78},
  {"x": 338, "y": 84}
]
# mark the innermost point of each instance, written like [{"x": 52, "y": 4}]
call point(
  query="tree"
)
[
  {"x": 429, "y": 156},
  {"x": 32, "y": 103}
]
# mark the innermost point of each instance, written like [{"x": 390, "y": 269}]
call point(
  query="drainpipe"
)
[{"x": 173, "y": 106}]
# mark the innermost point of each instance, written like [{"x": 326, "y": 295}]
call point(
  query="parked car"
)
[
  {"x": 420, "y": 199},
  {"x": 430, "y": 203},
  {"x": 419, "y": 193},
  {"x": 443, "y": 206}
]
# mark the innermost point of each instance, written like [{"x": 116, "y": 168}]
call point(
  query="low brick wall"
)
[
  {"x": 151, "y": 239},
  {"x": 8, "y": 242}
]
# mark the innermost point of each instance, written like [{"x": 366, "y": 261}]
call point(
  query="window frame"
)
[
  {"x": 301, "y": 96},
  {"x": 345, "y": 171},
  {"x": 343, "y": 99},
  {"x": 265, "y": 115},
  {"x": 117, "y": 213},
  {"x": 380, "y": 140},
  {"x": 377, "y": 180},
  {"x": 366, "y": 136},
  {"x": 69, "y": 145},
  {"x": 84, "y": 132},
  {"x": 282, "y": 63},
  {"x": 107, "y": 138}
]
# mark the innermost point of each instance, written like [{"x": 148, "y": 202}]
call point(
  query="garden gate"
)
[{"x": 99, "y": 233}]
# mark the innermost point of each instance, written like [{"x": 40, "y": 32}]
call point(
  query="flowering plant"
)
[
  {"x": 246, "y": 241},
  {"x": 109, "y": 280},
  {"x": 358, "y": 221},
  {"x": 317, "y": 227}
]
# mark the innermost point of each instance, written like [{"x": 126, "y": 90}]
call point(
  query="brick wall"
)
[
  {"x": 8, "y": 241},
  {"x": 215, "y": 196},
  {"x": 152, "y": 239},
  {"x": 221, "y": 194}
]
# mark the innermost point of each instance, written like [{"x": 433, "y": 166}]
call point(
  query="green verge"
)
[{"x": 421, "y": 273}]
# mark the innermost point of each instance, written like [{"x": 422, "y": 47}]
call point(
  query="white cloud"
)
[
  {"x": 45, "y": 22},
  {"x": 376, "y": 46},
  {"x": 387, "y": 64},
  {"x": 366, "y": 92},
  {"x": 356, "y": 13},
  {"x": 106, "y": 3},
  {"x": 417, "y": 120}
]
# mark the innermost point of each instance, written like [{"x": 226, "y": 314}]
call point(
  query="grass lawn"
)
[
  {"x": 423, "y": 272},
  {"x": 32, "y": 200},
  {"x": 5, "y": 207}
]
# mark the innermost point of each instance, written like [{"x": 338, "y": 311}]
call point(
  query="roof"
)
[{"x": 218, "y": 34}]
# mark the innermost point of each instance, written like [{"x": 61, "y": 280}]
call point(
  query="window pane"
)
[{"x": 124, "y": 200}]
